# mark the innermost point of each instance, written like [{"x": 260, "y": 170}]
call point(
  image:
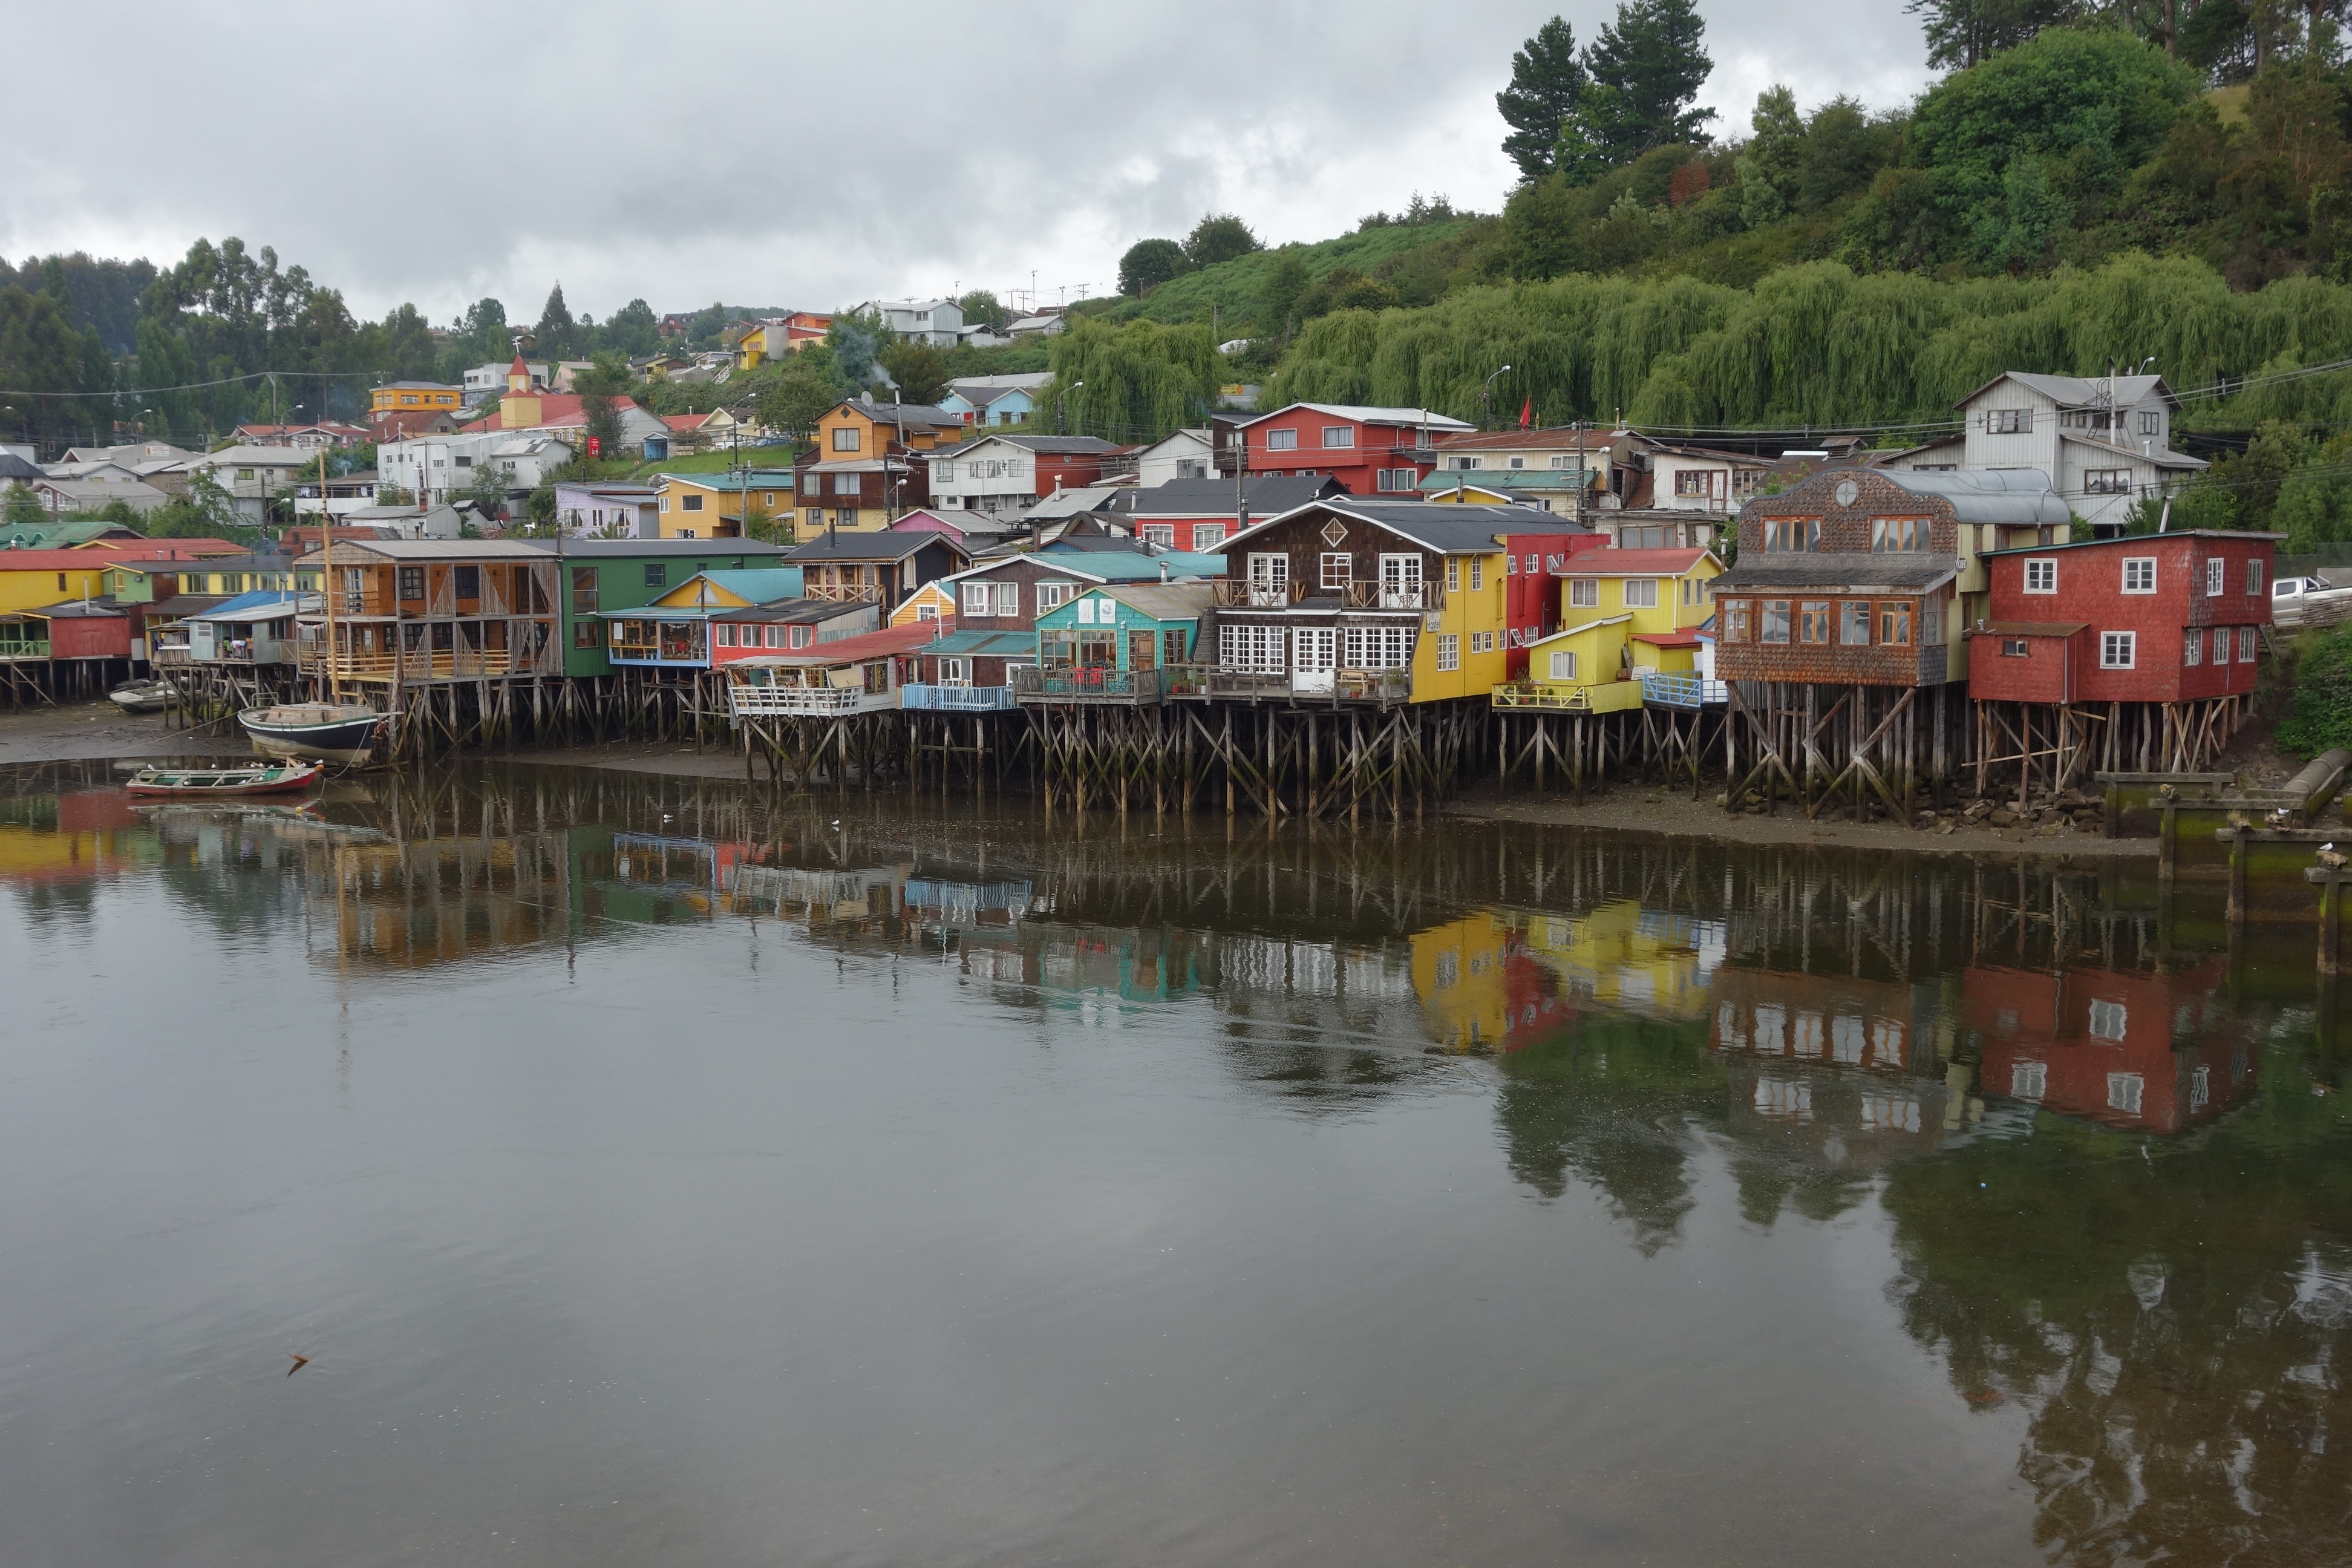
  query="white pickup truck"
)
[{"x": 2296, "y": 601}]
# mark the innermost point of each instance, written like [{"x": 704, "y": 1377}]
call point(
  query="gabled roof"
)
[
  {"x": 1177, "y": 601},
  {"x": 2167, "y": 458},
  {"x": 1572, "y": 631},
  {"x": 900, "y": 412},
  {"x": 1448, "y": 529},
  {"x": 1042, "y": 446},
  {"x": 1267, "y": 495},
  {"x": 753, "y": 586},
  {"x": 1368, "y": 415},
  {"x": 2079, "y": 391},
  {"x": 779, "y": 612},
  {"x": 1632, "y": 563},
  {"x": 884, "y": 545},
  {"x": 351, "y": 552}
]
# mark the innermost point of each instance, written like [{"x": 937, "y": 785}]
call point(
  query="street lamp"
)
[
  {"x": 1486, "y": 398},
  {"x": 1058, "y": 427}
]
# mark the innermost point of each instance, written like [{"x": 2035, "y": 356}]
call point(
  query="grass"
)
[{"x": 1236, "y": 286}]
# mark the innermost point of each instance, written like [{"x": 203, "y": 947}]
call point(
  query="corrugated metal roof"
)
[
  {"x": 1981, "y": 495},
  {"x": 1837, "y": 569},
  {"x": 1163, "y": 601}
]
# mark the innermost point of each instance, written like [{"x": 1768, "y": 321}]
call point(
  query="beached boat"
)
[
  {"x": 337, "y": 732},
  {"x": 142, "y": 696},
  {"x": 257, "y": 778}
]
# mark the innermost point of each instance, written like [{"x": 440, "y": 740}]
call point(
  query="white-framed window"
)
[
  {"x": 2009, "y": 421},
  {"x": 1054, "y": 595},
  {"x": 2151, "y": 423},
  {"x": 2118, "y": 650},
  {"x": 1449, "y": 651},
  {"x": 2017, "y": 647},
  {"x": 1282, "y": 440},
  {"x": 2192, "y": 646},
  {"x": 1379, "y": 648},
  {"x": 977, "y": 598},
  {"x": 2253, "y": 577},
  {"x": 2216, "y": 568},
  {"x": 1336, "y": 437},
  {"x": 1008, "y": 598},
  {"x": 1641, "y": 592},
  {"x": 2106, "y": 481},
  {"x": 1208, "y": 535},
  {"x": 2029, "y": 1080},
  {"x": 1511, "y": 565},
  {"x": 2139, "y": 574},
  {"x": 727, "y": 635},
  {"x": 1160, "y": 534},
  {"x": 2109, "y": 1020},
  {"x": 1397, "y": 479},
  {"x": 1252, "y": 649},
  {"x": 2041, "y": 576},
  {"x": 1463, "y": 464},
  {"x": 1453, "y": 574},
  {"x": 1269, "y": 572},
  {"x": 954, "y": 672},
  {"x": 1563, "y": 664},
  {"x": 1584, "y": 592},
  {"x": 2124, "y": 1091},
  {"x": 1337, "y": 567},
  {"x": 1482, "y": 642},
  {"x": 1477, "y": 572},
  {"x": 2246, "y": 645},
  {"x": 1854, "y": 625}
]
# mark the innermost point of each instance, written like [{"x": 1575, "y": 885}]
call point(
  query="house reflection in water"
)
[
  {"x": 428, "y": 902},
  {"x": 1498, "y": 980},
  {"x": 49, "y": 840},
  {"x": 2142, "y": 1053}
]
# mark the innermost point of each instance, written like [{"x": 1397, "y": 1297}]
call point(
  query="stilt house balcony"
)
[
  {"x": 1091, "y": 684},
  {"x": 936, "y": 699},
  {"x": 845, "y": 593},
  {"x": 1685, "y": 692},
  {"x": 748, "y": 701},
  {"x": 1234, "y": 594},
  {"x": 1558, "y": 697},
  {"x": 383, "y": 661},
  {"x": 1383, "y": 687}
]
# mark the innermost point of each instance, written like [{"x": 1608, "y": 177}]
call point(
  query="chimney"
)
[{"x": 1163, "y": 569}]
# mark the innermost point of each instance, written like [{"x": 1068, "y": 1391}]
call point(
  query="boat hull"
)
[
  {"x": 148, "y": 698},
  {"x": 222, "y": 784},
  {"x": 294, "y": 731}
]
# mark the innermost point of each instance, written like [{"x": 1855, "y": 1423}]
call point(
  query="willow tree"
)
[{"x": 1136, "y": 381}]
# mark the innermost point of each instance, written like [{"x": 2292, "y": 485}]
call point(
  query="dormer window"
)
[{"x": 1792, "y": 533}]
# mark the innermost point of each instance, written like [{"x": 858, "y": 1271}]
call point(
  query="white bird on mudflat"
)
[{"x": 2331, "y": 857}]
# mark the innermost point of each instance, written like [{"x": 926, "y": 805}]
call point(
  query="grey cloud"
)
[{"x": 800, "y": 154}]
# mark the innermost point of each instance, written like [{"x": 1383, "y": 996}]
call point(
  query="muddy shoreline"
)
[{"x": 84, "y": 731}]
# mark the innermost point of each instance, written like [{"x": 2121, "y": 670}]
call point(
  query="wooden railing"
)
[
  {"x": 1086, "y": 683},
  {"x": 747, "y": 702},
  {"x": 418, "y": 664},
  {"x": 1551, "y": 698},
  {"x": 1675, "y": 690},
  {"x": 1425, "y": 594},
  {"x": 845, "y": 593},
  {"x": 24, "y": 648},
  {"x": 955, "y": 699},
  {"x": 1234, "y": 593}
]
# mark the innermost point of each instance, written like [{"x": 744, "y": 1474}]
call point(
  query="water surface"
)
[{"x": 664, "y": 1171}]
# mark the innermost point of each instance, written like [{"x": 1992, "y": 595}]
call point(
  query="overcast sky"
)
[{"x": 792, "y": 155}]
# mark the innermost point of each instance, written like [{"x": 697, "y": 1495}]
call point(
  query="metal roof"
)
[
  {"x": 1369, "y": 415},
  {"x": 1448, "y": 529},
  {"x": 1836, "y": 570},
  {"x": 1978, "y": 495},
  {"x": 609, "y": 549},
  {"x": 1186, "y": 601},
  {"x": 264, "y": 606}
]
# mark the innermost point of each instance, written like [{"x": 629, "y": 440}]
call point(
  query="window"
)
[
  {"x": 727, "y": 635},
  {"x": 2139, "y": 574},
  {"x": 585, "y": 634},
  {"x": 469, "y": 582},
  {"x": 1813, "y": 621},
  {"x": 1054, "y": 595},
  {"x": 1380, "y": 647},
  {"x": 1563, "y": 665},
  {"x": 584, "y": 591},
  {"x": 1477, "y": 572},
  {"x": 1776, "y": 620},
  {"x": 1641, "y": 592},
  {"x": 1453, "y": 574},
  {"x": 803, "y": 636},
  {"x": 1449, "y": 651},
  {"x": 1252, "y": 649},
  {"x": 1897, "y": 535},
  {"x": 1785, "y": 533},
  {"x": 977, "y": 598},
  {"x": 1855, "y": 624},
  {"x": 845, "y": 484},
  {"x": 845, "y": 438},
  {"x": 1282, "y": 440},
  {"x": 1735, "y": 620},
  {"x": 1336, "y": 437},
  {"x": 2041, "y": 576},
  {"x": 691, "y": 503},
  {"x": 411, "y": 584},
  {"x": 2253, "y": 577},
  {"x": 777, "y": 634},
  {"x": 1894, "y": 623},
  {"x": 1208, "y": 535},
  {"x": 2106, "y": 481},
  {"x": 2192, "y": 646},
  {"x": 2016, "y": 647},
  {"x": 2118, "y": 650},
  {"x": 813, "y": 484},
  {"x": 2123, "y": 1092},
  {"x": 1692, "y": 482},
  {"x": 465, "y": 462},
  {"x": 2009, "y": 421},
  {"x": 1336, "y": 569},
  {"x": 815, "y": 518},
  {"x": 1511, "y": 565},
  {"x": 2245, "y": 644},
  {"x": 1269, "y": 576},
  {"x": 1160, "y": 535},
  {"x": 847, "y": 516},
  {"x": 1008, "y": 600},
  {"x": 2215, "y": 570},
  {"x": 1397, "y": 479},
  {"x": 1482, "y": 642},
  {"x": 2151, "y": 423},
  {"x": 2029, "y": 1080},
  {"x": 1584, "y": 594},
  {"x": 685, "y": 533}
]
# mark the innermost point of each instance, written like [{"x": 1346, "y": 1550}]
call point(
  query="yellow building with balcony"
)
[{"x": 1623, "y": 614}]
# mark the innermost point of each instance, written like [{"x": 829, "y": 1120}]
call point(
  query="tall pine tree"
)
[
  {"x": 1652, "y": 60},
  {"x": 1547, "y": 80}
]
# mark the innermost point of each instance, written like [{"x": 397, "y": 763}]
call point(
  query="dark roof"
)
[
  {"x": 902, "y": 413},
  {"x": 187, "y": 604},
  {"x": 1075, "y": 446},
  {"x": 1444, "y": 527},
  {"x": 888, "y": 544},
  {"x": 1267, "y": 495},
  {"x": 1835, "y": 569},
  {"x": 13, "y": 467},
  {"x": 666, "y": 547}
]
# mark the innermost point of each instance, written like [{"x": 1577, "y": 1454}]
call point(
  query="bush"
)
[{"x": 2322, "y": 717}]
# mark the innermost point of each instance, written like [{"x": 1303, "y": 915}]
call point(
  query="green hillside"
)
[{"x": 1417, "y": 260}]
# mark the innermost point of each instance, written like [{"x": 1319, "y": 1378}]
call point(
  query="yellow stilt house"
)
[{"x": 1626, "y": 616}]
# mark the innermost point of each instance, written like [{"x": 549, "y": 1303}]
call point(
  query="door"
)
[
  {"x": 1269, "y": 580},
  {"x": 1142, "y": 650},
  {"x": 1400, "y": 581},
  {"x": 1314, "y": 657}
]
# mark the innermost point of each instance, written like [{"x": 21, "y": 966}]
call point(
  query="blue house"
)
[{"x": 995, "y": 400}]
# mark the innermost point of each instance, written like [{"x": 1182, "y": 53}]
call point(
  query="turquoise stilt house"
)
[{"x": 1119, "y": 642}]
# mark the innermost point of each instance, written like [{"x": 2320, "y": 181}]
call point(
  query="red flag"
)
[{"x": 1528, "y": 415}]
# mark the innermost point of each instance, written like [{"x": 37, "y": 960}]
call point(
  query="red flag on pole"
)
[{"x": 1528, "y": 415}]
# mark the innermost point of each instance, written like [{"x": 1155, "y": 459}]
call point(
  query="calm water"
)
[{"x": 657, "y": 1172}]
